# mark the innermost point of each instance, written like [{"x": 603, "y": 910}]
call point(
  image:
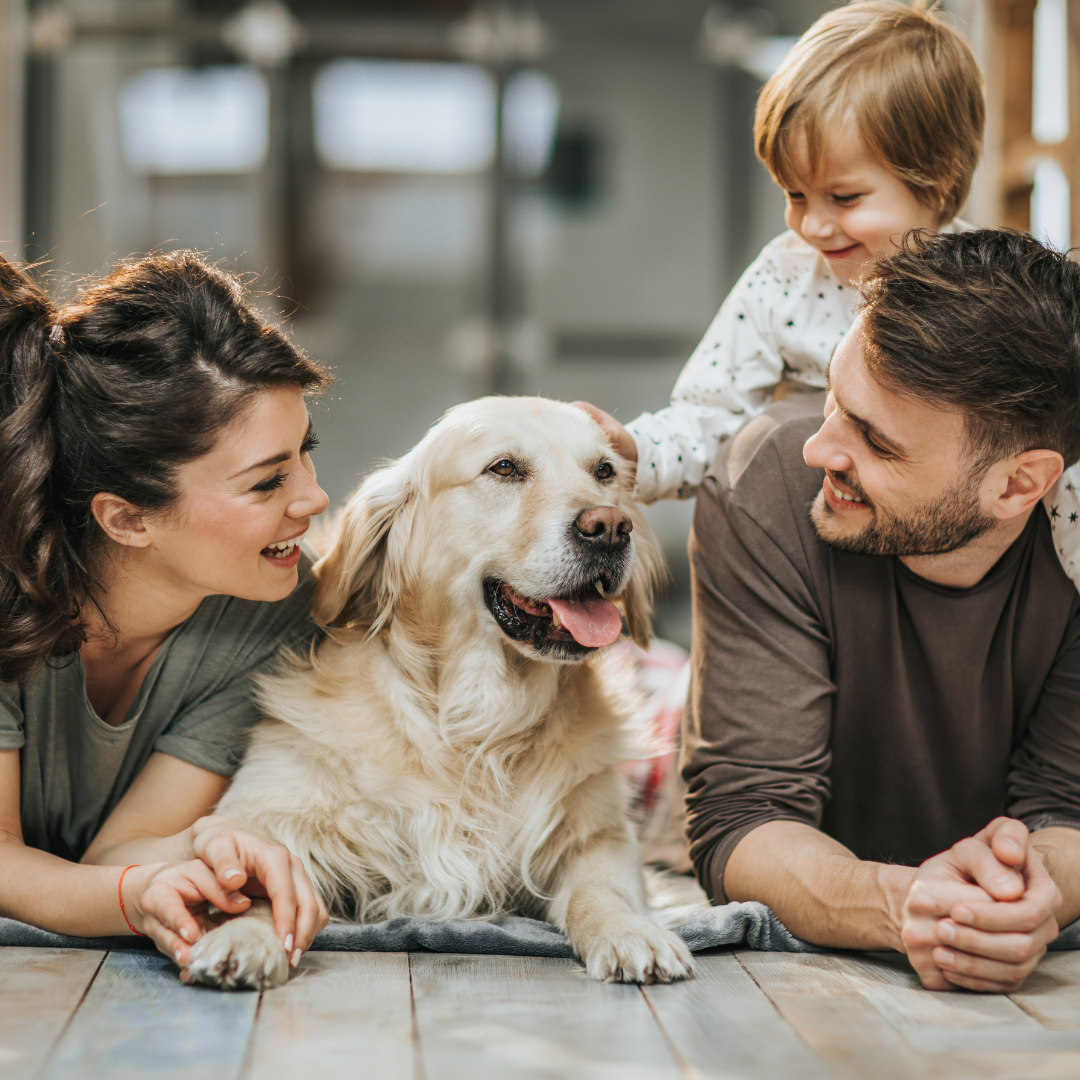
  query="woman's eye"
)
[
  {"x": 794, "y": 196},
  {"x": 309, "y": 443},
  {"x": 605, "y": 471},
  {"x": 272, "y": 484},
  {"x": 845, "y": 200},
  {"x": 503, "y": 468}
]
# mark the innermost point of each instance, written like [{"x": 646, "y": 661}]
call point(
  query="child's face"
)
[{"x": 854, "y": 208}]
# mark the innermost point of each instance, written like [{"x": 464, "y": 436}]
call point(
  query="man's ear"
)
[
  {"x": 119, "y": 520},
  {"x": 1028, "y": 477}
]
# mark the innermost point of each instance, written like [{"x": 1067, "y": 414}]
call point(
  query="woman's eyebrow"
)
[{"x": 277, "y": 459}]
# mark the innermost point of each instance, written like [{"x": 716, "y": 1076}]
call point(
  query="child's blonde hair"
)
[{"x": 909, "y": 80}]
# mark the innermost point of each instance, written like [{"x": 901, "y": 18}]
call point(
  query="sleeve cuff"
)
[
  {"x": 1050, "y": 821},
  {"x": 224, "y": 761}
]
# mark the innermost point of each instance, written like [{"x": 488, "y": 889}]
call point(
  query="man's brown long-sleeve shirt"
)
[{"x": 846, "y": 692}]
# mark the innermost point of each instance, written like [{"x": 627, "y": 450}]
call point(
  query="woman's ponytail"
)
[{"x": 42, "y": 579}]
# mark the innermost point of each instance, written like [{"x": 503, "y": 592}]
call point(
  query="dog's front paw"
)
[
  {"x": 241, "y": 954},
  {"x": 624, "y": 947}
]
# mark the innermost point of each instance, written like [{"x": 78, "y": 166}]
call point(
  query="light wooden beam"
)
[{"x": 12, "y": 79}]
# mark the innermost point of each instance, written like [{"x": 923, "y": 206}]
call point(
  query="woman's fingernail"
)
[
  {"x": 946, "y": 931},
  {"x": 947, "y": 956},
  {"x": 1013, "y": 846},
  {"x": 177, "y": 955},
  {"x": 237, "y": 897},
  {"x": 963, "y": 914},
  {"x": 296, "y": 957},
  {"x": 288, "y": 942},
  {"x": 184, "y": 933},
  {"x": 1006, "y": 881},
  {"x": 230, "y": 874}
]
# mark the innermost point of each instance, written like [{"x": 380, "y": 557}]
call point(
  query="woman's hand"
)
[
  {"x": 244, "y": 860},
  {"x": 169, "y": 902}
]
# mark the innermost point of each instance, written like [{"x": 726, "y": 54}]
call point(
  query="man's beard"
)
[{"x": 941, "y": 525}]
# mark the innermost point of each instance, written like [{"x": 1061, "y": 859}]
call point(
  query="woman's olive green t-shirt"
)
[{"x": 195, "y": 704}]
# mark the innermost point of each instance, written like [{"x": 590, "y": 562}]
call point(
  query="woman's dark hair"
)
[
  {"x": 111, "y": 393},
  {"x": 987, "y": 322}
]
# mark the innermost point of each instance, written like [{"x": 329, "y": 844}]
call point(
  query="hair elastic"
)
[
  {"x": 56, "y": 334},
  {"x": 120, "y": 893}
]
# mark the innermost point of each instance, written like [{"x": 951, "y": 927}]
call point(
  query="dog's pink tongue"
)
[{"x": 592, "y": 623}]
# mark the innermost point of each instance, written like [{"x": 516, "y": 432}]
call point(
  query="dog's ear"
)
[
  {"x": 357, "y": 578},
  {"x": 650, "y": 570}
]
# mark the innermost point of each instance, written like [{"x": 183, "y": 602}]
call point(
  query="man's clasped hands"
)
[{"x": 981, "y": 914}]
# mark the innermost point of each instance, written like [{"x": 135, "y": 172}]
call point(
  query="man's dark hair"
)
[{"x": 987, "y": 322}]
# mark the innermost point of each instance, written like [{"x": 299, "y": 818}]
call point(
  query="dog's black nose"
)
[{"x": 604, "y": 526}]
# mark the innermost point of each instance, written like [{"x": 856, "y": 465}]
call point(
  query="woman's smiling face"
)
[
  {"x": 852, "y": 208},
  {"x": 241, "y": 505}
]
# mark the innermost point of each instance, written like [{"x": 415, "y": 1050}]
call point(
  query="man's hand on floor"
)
[{"x": 981, "y": 914}]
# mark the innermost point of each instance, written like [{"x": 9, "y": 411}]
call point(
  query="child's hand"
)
[{"x": 622, "y": 442}]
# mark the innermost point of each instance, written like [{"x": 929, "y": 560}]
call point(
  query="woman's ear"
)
[
  {"x": 358, "y": 579},
  {"x": 649, "y": 571},
  {"x": 120, "y": 521}
]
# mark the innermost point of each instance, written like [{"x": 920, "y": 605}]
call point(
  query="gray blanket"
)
[{"x": 752, "y": 925}]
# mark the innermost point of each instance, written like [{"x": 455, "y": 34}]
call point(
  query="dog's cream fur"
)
[{"x": 421, "y": 762}]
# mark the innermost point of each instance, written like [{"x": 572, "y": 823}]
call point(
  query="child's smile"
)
[{"x": 853, "y": 208}]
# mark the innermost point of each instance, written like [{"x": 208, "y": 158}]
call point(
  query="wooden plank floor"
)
[{"x": 75, "y": 1015}]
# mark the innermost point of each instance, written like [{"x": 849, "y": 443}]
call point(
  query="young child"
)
[{"x": 872, "y": 126}]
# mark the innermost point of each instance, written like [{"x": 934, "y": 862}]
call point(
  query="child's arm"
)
[
  {"x": 785, "y": 307},
  {"x": 730, "y": 376}
]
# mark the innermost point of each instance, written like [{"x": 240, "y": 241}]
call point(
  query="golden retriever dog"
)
[{"x": 450, "y": 750}]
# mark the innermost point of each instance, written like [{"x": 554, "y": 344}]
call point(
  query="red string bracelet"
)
[{"x": 120, "y": 893}]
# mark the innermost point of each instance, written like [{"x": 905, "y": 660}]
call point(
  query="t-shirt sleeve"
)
[
  {"x": 1044, "y": 777},
  {"x": 757, "y": 744},
  {"x": 11, "y": 718},
  {"x": 730, "y": 376},
  {"x": 243, "y": 640}
]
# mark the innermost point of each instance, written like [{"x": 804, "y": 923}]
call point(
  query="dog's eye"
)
[
  {"x": 503, "y": 468},
  {"x": 605, "y": 470}
]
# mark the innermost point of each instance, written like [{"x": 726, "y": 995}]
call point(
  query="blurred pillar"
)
[
  {"x": 12, "y": 81},
  {"x": 500, "y": 290},
  {"x": 1008, "y": 86},
  {"x": 1072, "y": 163}
]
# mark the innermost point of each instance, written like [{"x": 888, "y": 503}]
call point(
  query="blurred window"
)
[
  {"x": 1050, "y": 210},
  {"x": 1050, "y": 195},
  {"x": 212, "y": 120},
  {"x": 401, "y": 116},
  {"x": 1050, "y": 82},
  {"x": 530, "y": 119}
]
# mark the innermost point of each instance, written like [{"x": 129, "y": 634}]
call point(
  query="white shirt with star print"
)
[
  {"x": 778, "y": 325},
  {"x": 1062, "y": 503}
]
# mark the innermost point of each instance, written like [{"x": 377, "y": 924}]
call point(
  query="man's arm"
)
[
  {"x": 819, "y": 889},
  {"x": 1059, "y": 849},
  {"x": 979, "y": 915},
  {"x": 757, "y": 742}
]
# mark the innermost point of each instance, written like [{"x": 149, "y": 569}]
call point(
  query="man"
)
[{"x": 885, "y": 735}]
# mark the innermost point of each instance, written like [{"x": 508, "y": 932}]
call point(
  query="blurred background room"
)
[{"x": 450, "y": 199}]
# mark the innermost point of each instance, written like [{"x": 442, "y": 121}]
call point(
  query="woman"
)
[{"x": 155, "y": 480}]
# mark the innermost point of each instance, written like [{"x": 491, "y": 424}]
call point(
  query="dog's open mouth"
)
[{"x": 583, "y": 621}]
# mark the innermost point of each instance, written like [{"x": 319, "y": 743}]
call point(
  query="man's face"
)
[{"x": 898, "y": 478}]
